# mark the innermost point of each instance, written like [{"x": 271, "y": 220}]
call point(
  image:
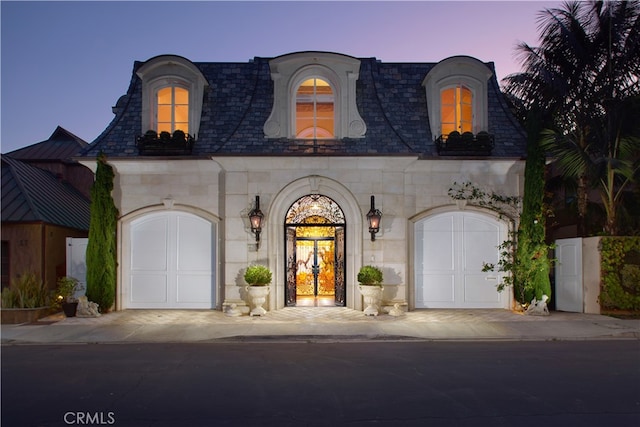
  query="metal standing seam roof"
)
[
  {"x": 31, "y": 194},
  {"x": 60, "y": 146},
  {"x": 389, "y": 96}
]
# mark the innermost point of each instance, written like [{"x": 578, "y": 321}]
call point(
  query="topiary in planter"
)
[
  {"x": 257, "y": 275},
  {"x": 370, "y": 275}
]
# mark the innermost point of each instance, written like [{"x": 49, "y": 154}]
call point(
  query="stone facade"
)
[{"x": 233, "y": 162}]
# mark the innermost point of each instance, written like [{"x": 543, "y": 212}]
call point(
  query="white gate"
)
[
  {"x": 569, "y": 287},
  {"x": 76, "y": 266}
]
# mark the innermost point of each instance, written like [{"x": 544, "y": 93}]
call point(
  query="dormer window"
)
[
  {"x": 456, "y": 109},
  {"x": 314, "y": 97},
  {"x": 456, "y": 90},
  {"x": 172, "y": 93},
  {"x": 315, "y": 112},
  {"x": 172, "y": 109}
]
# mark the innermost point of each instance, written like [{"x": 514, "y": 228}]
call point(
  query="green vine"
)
[
  {"x": 620, "y": 273},
  {"x": 508, "y": 206}
]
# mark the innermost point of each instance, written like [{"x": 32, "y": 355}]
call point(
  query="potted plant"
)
[
  {"x": 370, "y": 279},
  {"x": 65, "y": 295},
  {"x": 257, "y": 278},
  {"x": 164, "y": 143}
]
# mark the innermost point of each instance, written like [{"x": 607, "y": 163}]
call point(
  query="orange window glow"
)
[
  {"x": 456, "y": 110},
  {"x": 173, "y": 109},
  {"x": 315, "y": 116}
]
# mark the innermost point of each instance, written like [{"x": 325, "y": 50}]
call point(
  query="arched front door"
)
[{"x": 315, "y": 247}]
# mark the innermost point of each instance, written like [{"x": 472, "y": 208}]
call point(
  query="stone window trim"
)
[
  {"x": 166, "y": 70},
  {"x": 289, "y": 71},
  {"x": 458, "y": 71}
]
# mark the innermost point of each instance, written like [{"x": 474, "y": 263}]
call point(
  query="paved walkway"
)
[{"x": 318, "y": 323}]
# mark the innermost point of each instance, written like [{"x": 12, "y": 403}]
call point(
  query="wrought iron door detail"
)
[
  {"x": 290, "y": 289},
  {"x": 340, "y": 267},
  {"x": 314, "y": 250}
]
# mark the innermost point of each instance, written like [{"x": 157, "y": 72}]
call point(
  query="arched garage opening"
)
[
  {"x": 450, "y": 249},
  {"x": 168, "y": 261}
]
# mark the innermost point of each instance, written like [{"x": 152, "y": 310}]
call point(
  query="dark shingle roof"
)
[
  {"x": 390, "y": 99},
  {"x": 31, "y": 194},
  {"x": 61, "y": 145}
]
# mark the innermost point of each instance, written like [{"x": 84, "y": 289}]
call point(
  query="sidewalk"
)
[{"x": 318, "y": 323}]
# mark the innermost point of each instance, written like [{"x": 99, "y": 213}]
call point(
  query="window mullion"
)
[
  {"x": 173, "y": 108},
  {"x": 315, "y": 109}
]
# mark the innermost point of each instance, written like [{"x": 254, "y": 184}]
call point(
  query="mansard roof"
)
[{"x": 239, "y": 98}]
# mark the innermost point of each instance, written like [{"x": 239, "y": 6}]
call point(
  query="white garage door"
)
[
  {"x": 172, "y": 262},
  {"x": 450, "y": 249}
]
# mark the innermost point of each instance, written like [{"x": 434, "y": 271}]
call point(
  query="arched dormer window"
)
[
  {"x": 457, "y": 97},
  {"x": 456, "y": 109},
  {"x": 172, "y": 93},
  {"x": 172, "y": 108},
  {"x": 321, "y": 85},
  {"x": 314, "y": 109}
]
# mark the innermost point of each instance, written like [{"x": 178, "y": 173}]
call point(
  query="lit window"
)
[
  {"x": 457, "y": 96},
  {"x": 173, "y": 109},
  {"x": 314, "y": 97},
  {"x": 456, "y": 110},
  {"x": 172, "y": 95},
  {"x": 315, "y": 113}
]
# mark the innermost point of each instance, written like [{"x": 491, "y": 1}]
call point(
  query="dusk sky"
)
[{"x": 67, "y": 63}]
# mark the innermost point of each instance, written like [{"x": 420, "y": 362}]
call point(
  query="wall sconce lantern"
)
[
  {"x": 255, "y": 217},
  {"x": 373, "y": 216}
]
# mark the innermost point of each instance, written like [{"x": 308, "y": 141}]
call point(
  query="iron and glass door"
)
[
  {"x": 315, "y": 272},
  {"x": 315, "y": 248}
]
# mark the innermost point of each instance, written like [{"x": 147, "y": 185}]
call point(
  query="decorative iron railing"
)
[
  {"x": 465, "y": 144},
  {"x": 165, "y": 144}
]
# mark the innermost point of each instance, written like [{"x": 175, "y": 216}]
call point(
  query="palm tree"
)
[{"x": 586, "y": 68}]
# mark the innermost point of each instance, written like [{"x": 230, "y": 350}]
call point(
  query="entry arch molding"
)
[
  {"x": 282, "y": 201},
  {"x": 124, "y": 248},
  {"x": 501, "y": 226}
]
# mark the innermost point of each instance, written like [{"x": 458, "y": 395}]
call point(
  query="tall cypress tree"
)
[
  {"x": 533, "y": 264},
  {"x": 101, "y": 248}
]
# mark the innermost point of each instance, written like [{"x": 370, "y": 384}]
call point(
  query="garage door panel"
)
[
  {"x": 480, "y": 243},
  {"x": 437, "y": 290},
  {"x": 450, "y": 251},
  {"x": 440, "y": 254},
  {"x": 194, "y": 289},
  {"x": 479, "y": 289},
  {"x": 195, "y": 248},
  {"x": 149, "y": 244},
  {"x": 149, "y": 288},
  {"x": 172, "y": 262}
]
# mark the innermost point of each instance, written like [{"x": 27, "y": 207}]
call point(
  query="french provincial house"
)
[{"x": 315, "y": 141}]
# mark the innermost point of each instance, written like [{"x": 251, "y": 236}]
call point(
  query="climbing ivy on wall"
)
[
  {"x": 620, "y": 273},
  {"x": 101, "y": 248}
]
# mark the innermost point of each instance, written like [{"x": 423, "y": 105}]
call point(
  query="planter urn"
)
[
  {"x": 372, "y": 296},
  {"x": 258, "y": 295}
]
